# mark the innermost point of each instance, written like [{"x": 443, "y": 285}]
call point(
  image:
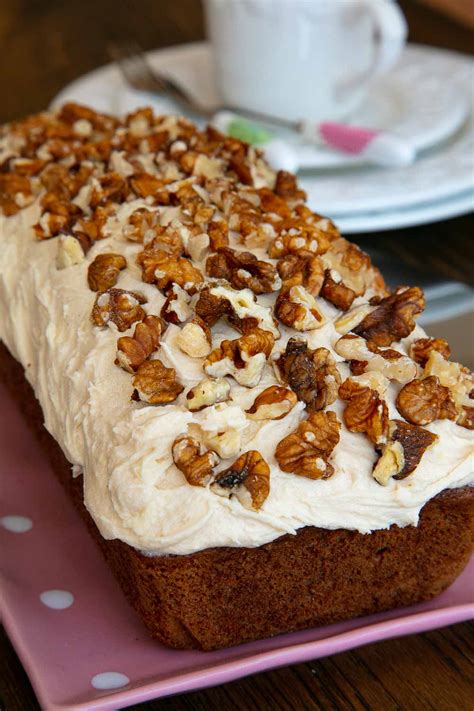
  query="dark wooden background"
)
[{"x": 44, "y": 45}]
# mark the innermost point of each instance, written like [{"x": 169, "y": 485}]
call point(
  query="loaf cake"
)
[{"x": 258, "y": 434}]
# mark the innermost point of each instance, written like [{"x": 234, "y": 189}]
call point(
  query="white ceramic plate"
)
[{"x": 422, "y": 214}]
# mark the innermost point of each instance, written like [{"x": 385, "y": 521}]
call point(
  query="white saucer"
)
[
  {"x": 359, "y": 198},
  {"x": 409, "y": 100}
]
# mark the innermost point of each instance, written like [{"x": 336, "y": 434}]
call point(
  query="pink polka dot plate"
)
[{"x": 80, "y": 643}]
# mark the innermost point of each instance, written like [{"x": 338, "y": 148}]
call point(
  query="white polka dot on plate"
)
[
  {"x": 109, "y": 680},
  {"x": 17, "y": 524},
  {"x": 57, "y": 599}
]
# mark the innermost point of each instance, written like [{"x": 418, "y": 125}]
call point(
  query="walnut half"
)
[
  {"x": 243, "y": 359},
  {"x": 132, "y": 351},
  {"x": 193, "y": 460},
  {"x": 311, "y": 374},
  {"x": 365, "y": 411},
  {"x": 423, "y": 401},
  {"x": 156, "y": 384},
  {"x": 307, "y": 450},
  {"x": 298, "y": 309},
  {"x": 243, "y": 270},
  {"x": 248, "y": 478},
  {"x": 403, "y": 451},
  {"x": 272, "y": 404},
  {"x": 394, "y": 317},
  {"x": 103, "y": 272},
  {"x": 118, "y": 306}
]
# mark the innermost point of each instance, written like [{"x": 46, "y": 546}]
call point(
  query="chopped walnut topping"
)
[
  {"x": 248, "y": 478},
  {"x": 272, "y": 404},
  {"x": 218, "y": 232},
  {"x": 156, "y": 384},
  {"x": 14, "y": 191},
  {"x": 123, "y": 308},
  {"x": 103, "y": 272},
  {"x": 134, "y": 350},
  {"x": 335, "y": 291},
  {"x": 393, "y": 318},
  {"x": 365, "y": 411},
  {"x": 145, "y": 185},
  {"x": 176, "y": 308},
  {"x": 243, "y": 310},
  {"x": 163, "y": 269},
  {"x": 110, "y": 187},
  {"x": 303, "y": 271},
  {"x": 460, "y": 382},
  {"x": 420, "y": 350},
  {"x": 286, "y": 186},
  {"x": 207, "y": 393},
  {"x": 348, "y": 321},
  {"x": 296, "y": 308},
  {"x": 210, "y": 307},
  {"x": 423, "y": 401},
  {"x": 307, "y": 240},
  {"x": 195, "y": 338},
  {"x": 365, "y": 357},
  {"x": 243, "y": 270},
  {"x": 243, "y": 358},
  {"x": 307, "y": 450},
  {"x": 196, "y": 463},
  {"x": 71, "y": 250},
  {"x": 353, "y": 267},
  {"x": 142, "y": 226},
  {"x": 403, "y": 451},
  {"x": 58, "y": 216},
  {"x": 311, "y": 374}
]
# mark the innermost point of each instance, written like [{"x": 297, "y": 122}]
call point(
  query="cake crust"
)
[{"x": 314, "y": 578}]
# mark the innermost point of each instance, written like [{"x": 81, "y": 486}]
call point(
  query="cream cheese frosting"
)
[{"x": 132, "y": 489}]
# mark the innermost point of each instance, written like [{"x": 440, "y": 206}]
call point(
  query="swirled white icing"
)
[{"x": 131, "y": 487}]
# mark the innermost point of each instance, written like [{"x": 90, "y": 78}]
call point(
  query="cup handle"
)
[{"x": 391, "y": 33}]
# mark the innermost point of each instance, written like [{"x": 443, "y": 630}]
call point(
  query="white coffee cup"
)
[{"x": 302, "y": 59}]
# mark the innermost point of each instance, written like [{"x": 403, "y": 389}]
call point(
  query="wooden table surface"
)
[{"x": 46, "y": 44}]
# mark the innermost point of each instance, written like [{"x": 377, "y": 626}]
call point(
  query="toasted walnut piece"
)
[
  {"x": 248, "y": 478},
  {"x": 296, "y": 308},
  {"x": 353, "y": 266},
  {"x": 243, "y": 358},
  {"x": 227, "y": 444},
  {"x": 193, "y": 460},
  {"x": 394, "y": 317},
  {"x": 210, "y": 307},
  {"x": 27, "y": 166},
  {"x": 423, "y": 401},
  {"x": 420, "y": 350},
  {"x": 364, "y": 357},
  {"x": 164, "y": 269},
  {"x": 335, "y": 291},
  {"x": 141, "y": 225},
  {"x": 14, "y": 190},
  {"x": 58, "y": 216},
  {"x": 286, "y": 186},
  {"x": 460, "y": 382},
  {"x": 176, "y": 308},
  {"x": 304, "y": 271},
  {"x": 156, "y": 384},
  {"x": 195, "y": 338},
  {"x": 110, "y": 187},
  {"x": 132, "y": 351},
  {"x": 365, "y": 411},
  {"x": 93, "y": 227},
  {"x": 305, "y": 240},
  {"x": 311, "y": 374},
  {"x": 272, "y": 404},
  {"x": 218, "y": 232},
  {"x": 70, "y": 251},
  {"x": 103, "y": 272},
  {"x": 206, "y": 393},
  {"x": 169, "y": 238},
  {"x": 145, "y": 185},
  {"x": 403, "y": 451},
  {"x": 307, "y": 450},
  {"x": 243, "y": 270},
  {"x": 244, "y": 312},
  {"x": 350, "y": 320},
  {"x": 123, "y": 308}
]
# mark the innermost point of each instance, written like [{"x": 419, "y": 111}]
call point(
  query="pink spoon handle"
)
[{"x": 380, "y": 147}]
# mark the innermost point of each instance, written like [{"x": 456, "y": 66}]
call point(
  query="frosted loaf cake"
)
[{"x": 223, "y": 371}]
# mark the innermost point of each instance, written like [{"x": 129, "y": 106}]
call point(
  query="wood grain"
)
[{"x": 47, "y": 43}]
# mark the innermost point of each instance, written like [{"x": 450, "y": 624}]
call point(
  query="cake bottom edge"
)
[{"x": 222, "y": 597}]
